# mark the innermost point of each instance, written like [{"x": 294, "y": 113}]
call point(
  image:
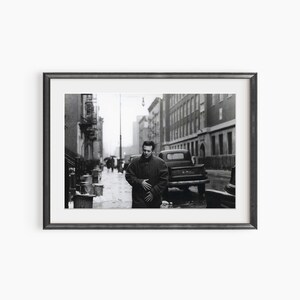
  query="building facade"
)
[
  {"x": 204, "y": 124},
  {"x": 154, "y": 123},
  {"x": 135, "y": 135},
  {"x": 143, "y": 131},
  {"x": 83, "y": 127}
]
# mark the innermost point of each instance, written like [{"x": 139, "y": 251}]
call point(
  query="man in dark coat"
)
[{"x": 148, "y": 176}]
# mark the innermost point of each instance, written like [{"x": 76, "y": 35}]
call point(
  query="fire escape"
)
[{"x": 88, "y": 125}]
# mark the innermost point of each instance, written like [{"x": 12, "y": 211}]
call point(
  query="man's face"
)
[{"x": 147, "y": 151}]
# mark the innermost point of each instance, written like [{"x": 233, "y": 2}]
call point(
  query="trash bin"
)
[
  {"x": 98, "y": 189},
  {"x": 83, "y": 201},
  {"x": 96, "y": 174},
  {"x": 86, "y": 188}
]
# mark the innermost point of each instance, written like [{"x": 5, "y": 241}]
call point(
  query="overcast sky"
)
[{"x": 132, "y": 107}]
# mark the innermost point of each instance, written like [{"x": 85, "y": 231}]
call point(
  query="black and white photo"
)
[
  {"x": 138, "y": 150},
  {"x": 190, "y": 136}
]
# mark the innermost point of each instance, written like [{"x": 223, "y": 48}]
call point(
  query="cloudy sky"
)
[{"x": 131, "y": 107}]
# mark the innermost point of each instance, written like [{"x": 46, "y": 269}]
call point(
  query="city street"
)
[{"x": 117, "y": 192}]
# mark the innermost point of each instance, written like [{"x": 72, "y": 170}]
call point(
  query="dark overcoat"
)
[{"x": 155, "y": 170}]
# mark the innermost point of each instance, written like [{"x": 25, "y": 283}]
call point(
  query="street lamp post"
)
[
  {"x": 119, "y": 166},
  {"x": 120, "y": 131}
]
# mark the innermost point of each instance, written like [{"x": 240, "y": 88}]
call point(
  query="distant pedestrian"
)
[
  {"x": 112, "y": 163},
  {"x": 108, "y": 164},
  {"x": 148, "y": 176}
]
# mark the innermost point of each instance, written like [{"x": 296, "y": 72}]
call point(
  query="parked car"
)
[
  {"x": 222, "y": 199},
  {"x": 183, "y": 172}
]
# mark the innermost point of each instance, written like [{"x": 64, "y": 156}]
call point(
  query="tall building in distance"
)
[
  {"x": 135, "y": 135},
  {"x": 143, "y": 131},
  {"x": 154, "y": 123}
]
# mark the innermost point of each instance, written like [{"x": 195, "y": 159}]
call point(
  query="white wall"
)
[{"x": 191, "y": 36}]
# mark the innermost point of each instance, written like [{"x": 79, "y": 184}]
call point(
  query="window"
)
[
  {"x": 197, "y": 148},
  {"x": 220, "y": 113},
  {"x": 188, "y": 107},
  {"x": 221, "y": 143},
  {"x": 222, "y": 97},
  {"x": 192, "y": 105},
  {"x": 184, "y": 109},
  {"x": 202, "y": 107},
  {"x": 213, "y": 145},
  {"x": 197, "y": 101},
  {"x": 192, "y": 148},
  {"x": 201, "y": 98},
  {"x": 229, "y": 142},
  {"x": 215, "y": 98}
]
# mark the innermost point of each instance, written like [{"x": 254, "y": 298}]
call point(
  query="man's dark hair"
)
[{"x": 149, "y": 143}]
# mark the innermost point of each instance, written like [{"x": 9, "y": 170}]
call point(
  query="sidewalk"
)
[
  {"x": 219, "y": 173},
  {"x": 116, "y": 191}
]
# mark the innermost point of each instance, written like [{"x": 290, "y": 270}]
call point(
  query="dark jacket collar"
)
[{"x": 143, "y": 159}]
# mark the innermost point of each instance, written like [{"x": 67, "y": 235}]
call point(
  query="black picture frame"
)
[{"x": 48, "y": 77}]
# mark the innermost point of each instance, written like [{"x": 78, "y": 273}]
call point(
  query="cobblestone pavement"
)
[{"x": 116, "y": 191}]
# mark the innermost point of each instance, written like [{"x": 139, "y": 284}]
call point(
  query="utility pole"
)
[{"x": 120, "y": 131}]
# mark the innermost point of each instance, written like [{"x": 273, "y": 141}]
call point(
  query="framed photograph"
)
[{"x": 150, "y": 151}]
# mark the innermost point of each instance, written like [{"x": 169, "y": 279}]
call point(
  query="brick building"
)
[{"x": 203, "y": 124}]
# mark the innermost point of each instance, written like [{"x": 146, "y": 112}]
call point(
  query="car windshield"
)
[{"x": 175, "y": 156}]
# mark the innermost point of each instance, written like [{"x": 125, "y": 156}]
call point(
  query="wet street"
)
[
  {"x": 117, "y": 192},
  {"x": 218, "y": 179}
]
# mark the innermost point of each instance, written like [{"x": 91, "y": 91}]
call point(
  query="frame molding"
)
[{"x": 46, "y": 150}]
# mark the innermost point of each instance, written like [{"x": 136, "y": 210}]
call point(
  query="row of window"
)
[
  {"x": 191, "y": 146},
  {"x": 191, "y": 105},
  {"x": 219, "y": 98},
  {"x": 218, "y": 148},
  {"x": 185, "y": 129},
  {"x": 198, "y": 99},
  {"x": 175, "y": 99},
  {"x": 189, "y": 127}
]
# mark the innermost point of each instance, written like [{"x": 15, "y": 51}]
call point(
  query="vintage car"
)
[
  {"x": 183, "y": 172},
  {"x": 222, "y": 199}
]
